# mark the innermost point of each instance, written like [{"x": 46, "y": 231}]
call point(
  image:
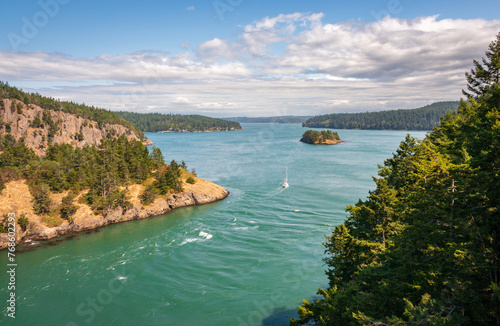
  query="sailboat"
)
[{"x": 285, "y": 184}]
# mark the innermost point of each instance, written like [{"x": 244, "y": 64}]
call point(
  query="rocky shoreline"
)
[
  {"x": 16, "y": 198},
  {"x": 325, "y": 142}
]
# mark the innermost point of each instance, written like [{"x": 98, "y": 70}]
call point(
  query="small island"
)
[{"x": 325, "y": 137}]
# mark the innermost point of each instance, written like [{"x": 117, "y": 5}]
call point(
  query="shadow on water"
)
[
  {"x": 280, "y": 317},
  {"x": 34, "y": 245}
]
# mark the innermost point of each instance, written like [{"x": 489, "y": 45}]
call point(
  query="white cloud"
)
[
  {"x": 289, "y": 63},
  {"x": 181, "y": 100},
  {"x": 190, "y": 8}
]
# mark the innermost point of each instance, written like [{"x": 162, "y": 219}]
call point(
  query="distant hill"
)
[
  {"x": 424, "y": 118},
  {"x": 43, "y": 121},
  {"x": 277, "y": 119},
  {"x": 158, "y": 122}
]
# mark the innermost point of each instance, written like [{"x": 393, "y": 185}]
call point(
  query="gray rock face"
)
[{"x": 72, "y": 130}]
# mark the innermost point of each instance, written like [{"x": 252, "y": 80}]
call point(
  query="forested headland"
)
[
  {"x": 424, "y": 247},
  {"x": 424, "y": 118},
  {"x": 91, "y": 157},
  {"x": 159, "y": 122},
  {"x": 101, "y": 169}
]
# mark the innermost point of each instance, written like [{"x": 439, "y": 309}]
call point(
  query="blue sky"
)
[{"x": 242, "y": 57}]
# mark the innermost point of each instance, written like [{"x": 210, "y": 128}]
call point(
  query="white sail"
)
[{"x": 285, "y": 184}]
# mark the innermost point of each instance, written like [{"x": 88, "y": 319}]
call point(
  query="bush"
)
[
  {"x": 23, "y": 222},
  {"x": 16, "y": 154},
  {"x": 191, "y": 180},
  {"x": 67, "y": 208},
  {"x": 41, "y": 200},
  {"x": 116, "y": 198},
  {"x": 3, "y": 224},
  {"x": 148, "y": 195}
]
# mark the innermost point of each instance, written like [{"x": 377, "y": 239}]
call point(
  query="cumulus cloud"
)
[{"x": 294, "y": 64}]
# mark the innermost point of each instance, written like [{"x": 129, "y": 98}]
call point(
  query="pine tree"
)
[
  {"x": 486, "y": 74},
  {"x": 41, "y": 200}
]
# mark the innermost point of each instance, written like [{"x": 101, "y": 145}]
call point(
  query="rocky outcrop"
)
[
  {"x": 16, "y": 198},
  {"x": 19, "y": 119}
]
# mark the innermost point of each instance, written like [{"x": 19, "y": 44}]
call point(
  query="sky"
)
[{"x": 226, "y": 58}]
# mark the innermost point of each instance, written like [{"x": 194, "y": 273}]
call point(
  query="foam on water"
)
[
  {"x": 189, "y": 240},
  {"x": 205, "y": 235}
]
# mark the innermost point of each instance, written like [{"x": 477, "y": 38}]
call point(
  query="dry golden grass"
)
[{"x": 16, "y": 198}]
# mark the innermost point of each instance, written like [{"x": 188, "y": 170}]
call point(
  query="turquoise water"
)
[{"x": 247, "y": 260}]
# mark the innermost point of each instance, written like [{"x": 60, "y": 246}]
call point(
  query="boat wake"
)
[{"x": 275, "y": 192}]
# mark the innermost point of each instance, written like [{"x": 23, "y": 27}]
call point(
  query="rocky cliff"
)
[
  {"x": 16, "y": 198},
  {"x": 27, "y": 121}
]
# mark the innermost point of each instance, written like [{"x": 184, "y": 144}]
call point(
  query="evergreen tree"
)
[
  {"x": 486, "y": 74},
  {"x": 41, "y": 200},
  {"x": 424, "y": 247},
  {"x": 67, "y": 208},
  {"x": 157, "y": 156}
]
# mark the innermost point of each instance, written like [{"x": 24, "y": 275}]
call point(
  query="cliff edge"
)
[{"x": 41, "y": 127}]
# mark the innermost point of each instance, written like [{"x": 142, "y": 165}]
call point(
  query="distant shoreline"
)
[{"x": 193, "y": 131}]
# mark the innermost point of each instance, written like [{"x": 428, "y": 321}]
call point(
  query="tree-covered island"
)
[{"x": 325, "y": 137}]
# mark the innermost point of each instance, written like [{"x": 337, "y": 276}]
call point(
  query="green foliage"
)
[
  {"x": 424, "y": 247},
  {"x": 313, "y": 136},
  {"x": 67, "y": 208},
  {"x": 191, "y": 180},
  {"x": 42, "y": 203},
  {"x": 157, "y": 156},
  {"x": 148, "y": 195},
  {"x": 7, "y": 174},
  {"x": 424, "y": 118},
  {"x": 3, "y": 224},
  {"x": 15, "y": 154},
  {"x": 101, "y": 169},
  {"x": 112, "y": 200},
  {"x": 79, "y": 136},
  {"x": 154, "y": 122},
  {"x": 23, "y": 222},
  {"x": 310, "y": 136},
  {"x": 483, "y": 76},
  {"x": 169, "y": 178},
  {"x": 37, "y": 122}
]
